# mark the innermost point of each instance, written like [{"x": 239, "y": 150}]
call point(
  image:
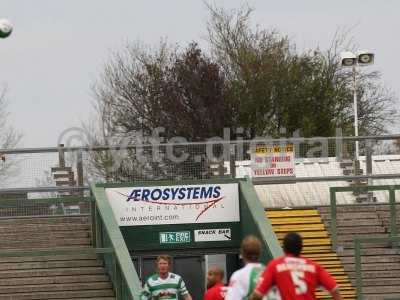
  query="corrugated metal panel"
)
[{"x": 317, "y": 193}]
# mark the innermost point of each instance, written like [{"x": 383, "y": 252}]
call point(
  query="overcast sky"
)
[{"x": 58, "y": 46}]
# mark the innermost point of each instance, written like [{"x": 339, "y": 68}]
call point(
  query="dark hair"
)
[
  {"x": 251, "y": 248},
  {"x": 293, "y": 243}
]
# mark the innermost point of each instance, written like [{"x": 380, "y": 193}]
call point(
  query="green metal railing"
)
[
  {"x": 106, "y": 233},
  {"x": 106, "y": 237},
  {"x": 255, "y": 221},
  {"x": 358, "y": 241},
  {"x": 392, "y": 203}
]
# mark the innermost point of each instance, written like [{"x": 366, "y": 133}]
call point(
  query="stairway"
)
[
  {"x": 380, "y": 262},
  {"x": 352, "y": 168},
  {"x": 78, "y": 276},
  {"x": 316, "y": 243}
]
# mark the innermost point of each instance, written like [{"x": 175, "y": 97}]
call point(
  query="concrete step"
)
[
  {"x": 351, "y": 216},
  {"x": 94, "y": 293},
  {"x": 69, "y": 271},
  {"x": 27, "y": 236},
  {"x": 361, "y": 222},
  {"x": 350, "y": 245},
  {"x": 53, "y": 280},
  {"x": 45, "y": 228},
  {"x": 44, "y": 220},
  {"x": 373, "y": 267},
  {"x": 370, "y": 251},
  {"x": 381, "y": 281},
  {"x": 384, "y": 290},
  {"x": 97, "y": 298},
  {"x": 350, "y": 237},
  {"x": 361, "y": 230},
  {"x": 346, "y": 163},
  {"x": 381, "y": 297},
  {"x": 47, "y": 258},
  {"x": 51, "y": 264},
  {"x": 43, "y": 242},
  {"x": 55, "y": 287},
  {"x": 51, "y": 277},
  {"x": 355, "y": 208},
  {"x": 376, "y": 274},
  {"x": 373, "y": 259}
]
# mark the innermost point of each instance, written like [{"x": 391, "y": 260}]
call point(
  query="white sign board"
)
[
  {"x": 272, "y": 161},
  {"x": 184, "y": 204},
  {"x": 212, "y": 235}
]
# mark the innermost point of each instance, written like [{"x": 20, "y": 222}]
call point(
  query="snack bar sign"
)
[
  {"x": 272, "y": 160},
  {"x": 162, "y": 205}
]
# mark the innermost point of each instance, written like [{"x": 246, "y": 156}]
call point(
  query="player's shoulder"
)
[
  {"x": 237, "y": 275},
  {"x": 277, "y": 260},
  {"x": 174, "y": 276},
  {"x": 153, "y": 278},
  {"x": 309, "y": 261}
]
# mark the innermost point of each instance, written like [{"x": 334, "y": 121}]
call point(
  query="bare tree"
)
[
  {"x": 9, "y": 138},
  {"x": 251, "y": 78}
]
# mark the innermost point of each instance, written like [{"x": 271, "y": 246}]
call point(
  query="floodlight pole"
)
[{"x": 356, "y": 156}]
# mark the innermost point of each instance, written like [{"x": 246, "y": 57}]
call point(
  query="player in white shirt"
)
[{"x": 243, "y": 281}]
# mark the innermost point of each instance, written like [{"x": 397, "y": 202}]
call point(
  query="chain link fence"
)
[{"x": 78, "y": 166}]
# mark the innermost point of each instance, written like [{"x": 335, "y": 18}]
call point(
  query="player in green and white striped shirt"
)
[{"x": 164, "y": 285}]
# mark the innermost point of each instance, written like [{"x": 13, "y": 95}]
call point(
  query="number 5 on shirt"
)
[{"x": 298, "y": 281}]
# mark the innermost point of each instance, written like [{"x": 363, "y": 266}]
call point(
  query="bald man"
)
[{"x": 215, "y": 287}]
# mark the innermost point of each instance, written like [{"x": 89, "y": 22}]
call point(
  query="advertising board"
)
[{"x": 185, "y": 204}]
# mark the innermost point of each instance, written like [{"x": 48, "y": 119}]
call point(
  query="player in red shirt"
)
[
  {"x": 296, "y": 277},
  {"x": 215, "y": 287}
]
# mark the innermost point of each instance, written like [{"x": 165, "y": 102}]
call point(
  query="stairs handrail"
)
[
  {"x": 123, "y": 263},
  {"x": 358, "y": 241},
  {"x": 333, "y": 205}
]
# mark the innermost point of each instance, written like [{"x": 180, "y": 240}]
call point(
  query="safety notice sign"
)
[{"x": 212, "y": 235}]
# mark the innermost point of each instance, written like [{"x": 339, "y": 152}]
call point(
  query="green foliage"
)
[
  {"x": 250, "y": 78},
  {"x": 277, "y": 87}
]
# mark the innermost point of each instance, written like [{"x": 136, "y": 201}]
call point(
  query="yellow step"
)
[
  {"x": 292, "y": 213},
  {"x": 299, "y": 220},
  {"x": 308, "y": 234},
  {"x": 317, "y": 249},
  {"x": 344, "y": 292},
  {"x": 321, "y": 260},
  {"x": 298, "y": 228},
  {"x": 325, "y": 295},
  {"x": 315, "y": 242},
  {"x": 328, "y": 255},
  {"x": 330, "y": 263}
]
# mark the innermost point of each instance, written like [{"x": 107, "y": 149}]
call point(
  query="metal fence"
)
[{"x": 77, "y": 166}]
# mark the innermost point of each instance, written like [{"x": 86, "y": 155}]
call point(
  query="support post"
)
[
  {"x": 332, "y": 193},
  {"x": 61, "y": 156},
  {"x": 117, "y": 279},
  {"x": 358, "y": 267},
  {"x": 393, "y": 215},
  {"x": 79, "y": 167},
  {"x": 368, "y": 163},
  {"x": 94, "y": 221},
  {"x": 232, "y": 161}
]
